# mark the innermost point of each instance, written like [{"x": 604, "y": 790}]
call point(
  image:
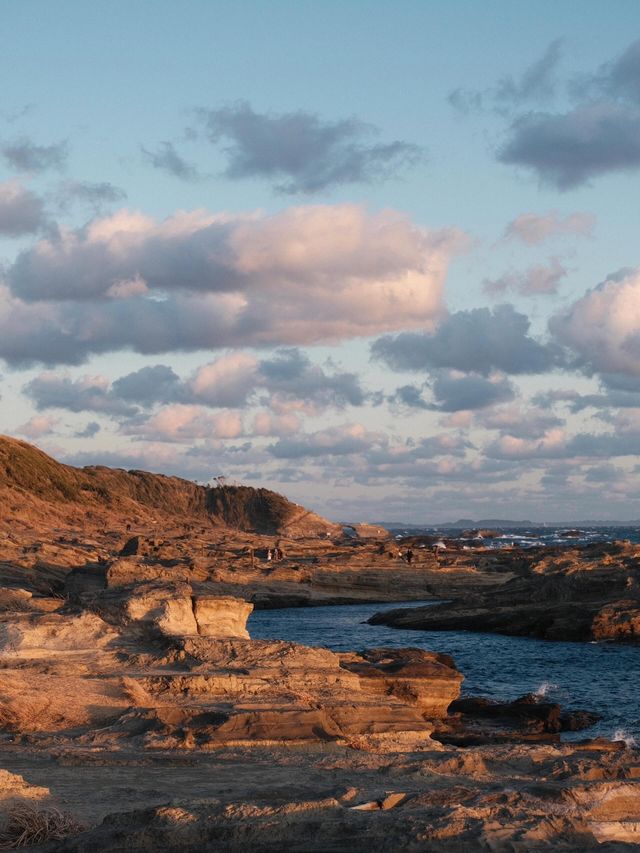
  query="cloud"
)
[
  {"x": 287, "y": 383},
  {"x": 602, "y": 328},
  {"x": 599, "y": 134},
  {"x": 167, "y": 159},
  {"x": 268, "y": 423},
  {"x": 567, "y": 149},
  {"x": 227, "y": 381},
  {"x": 91, "y": 429},
  {"x": 342, "y": 440},
  {"x": 556, "y": 444},
  {"x": 25, "y": 156},
  {"x": 38, "y": 426},
  {"x": 301, "y": 151},
  {"x": 537, "y": 83},
  {"x": 604, "y": 473},
  {"x": 457, "y": 393},
  {"x": 290, "y": 375},
  {"x": 181, "y": 422},
  {"x": 198, "y": 281},
  {"x": 94, "y": 195},
  {"x": 538, "y": 279},
  {"x": 454, "y": 392},
  {"x": 480, "y": 340},
  {"x": 533, "y": 229},
  {"x": 529, "y": 423},
  {"x": 21, "y": 211},
  {"x": 618, "y": 79},
  {"x": 87, "y": 394}
]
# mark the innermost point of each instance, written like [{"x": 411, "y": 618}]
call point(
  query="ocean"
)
[{"x": 601, "y": 677}]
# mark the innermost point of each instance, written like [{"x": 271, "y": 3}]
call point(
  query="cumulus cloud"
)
[
  {"x": 148, "y": 385},
  {"x": 270, "y": 424},
  {"x": 454, "y": 393},
  {"x": 301, "y": 151},
  {"x": 539, "y": 279},
  {"x": 451, "y": 391},
  {"x": 288, "y": 381},
  {"x": 599, "y": 134},
  {"x": 513, "y": 420},
  {"x": 38, "y": 425},
  {"x": 480, "y": 340},
  {"x": 91, "y": 429},
  {"x": 602, "y": 328},
  {"x": 533, "y": 229},
  {"x": 167, "y": 159},
  {"x": 306, "y": 275},
  {"x": 227, "y": 381},
  {"x": 557, "y": 444},
  {"x": 290, "y": 375},
  {"x": 342, "y": 440},
  {"x": 25, "y": 156},
  {"x": 567, "y": 149},
  {"x": 87, "y": 394},
  {"x": 181, "y": 422},
  {"x": 21, "y": 211}
]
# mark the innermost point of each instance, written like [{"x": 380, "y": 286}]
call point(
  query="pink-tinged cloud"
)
[
  {"x": 268, "y": 423},
  {"x": 533, "y": 229},
  {"x": 186, "y": 423},
  {"x": 603, "y": 326},
  {"x": 196, "y": 280},
  {"x": 539, "y": 279},
  {"x": 226, "y": 381},
  {"x": 38, "y": 426}
]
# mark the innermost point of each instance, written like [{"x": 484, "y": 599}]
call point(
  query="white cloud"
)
[
  {"x": 196, "y": 280},
  {"x": 603, "y": 326}
]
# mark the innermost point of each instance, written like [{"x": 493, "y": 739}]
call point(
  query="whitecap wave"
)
[{"x": 621, "y": 734}]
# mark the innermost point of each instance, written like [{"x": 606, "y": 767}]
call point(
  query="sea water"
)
[{"x": 601, "y": 677}]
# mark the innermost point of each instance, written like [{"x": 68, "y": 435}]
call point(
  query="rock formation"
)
[
  {"x": 135, "y": 712},
  {"x": 591, "y": 593}
]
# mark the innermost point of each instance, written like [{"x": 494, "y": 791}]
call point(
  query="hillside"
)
[{"x": 33, "y": 484}]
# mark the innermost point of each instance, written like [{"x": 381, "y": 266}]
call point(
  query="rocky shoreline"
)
[
  {"x": 590, "y": 593},
  {"x": 136, "y": 713}
]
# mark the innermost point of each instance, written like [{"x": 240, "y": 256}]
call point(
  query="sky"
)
[{"x": 380, "y": 257}]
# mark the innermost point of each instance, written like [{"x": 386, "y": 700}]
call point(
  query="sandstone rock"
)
[
  {"x": 618, "y": 621},
  {"x": 426, "y": 679},
  {"x": 41, "y": 635},
  {"x": 221, "y": 616}
]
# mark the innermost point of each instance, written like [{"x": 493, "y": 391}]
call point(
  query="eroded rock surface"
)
[{"x": 591, "y": 593}]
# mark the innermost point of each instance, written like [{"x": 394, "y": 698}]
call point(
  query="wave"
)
[{"x": 621, "y": 734}]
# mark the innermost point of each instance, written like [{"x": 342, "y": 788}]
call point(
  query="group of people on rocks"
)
[
  {"x": 275, "y": 554},
  {"x": 408, "y": 555}
]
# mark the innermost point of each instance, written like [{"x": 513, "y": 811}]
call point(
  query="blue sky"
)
[{"x": 380, "y": 257}]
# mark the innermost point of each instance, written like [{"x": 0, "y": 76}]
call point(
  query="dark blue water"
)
[
  {"x": 528, "y": 537},
  {"x": 599, "y": 677}
]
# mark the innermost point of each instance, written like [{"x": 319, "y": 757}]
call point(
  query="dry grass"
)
[
  {"x": 136, "y": 693},
  {"x": 28, "y": 825}
]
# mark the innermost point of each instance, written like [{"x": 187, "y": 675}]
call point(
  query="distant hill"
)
[
  {"x": 33, "y": 485},
  {"x": 504, "y": 524}
]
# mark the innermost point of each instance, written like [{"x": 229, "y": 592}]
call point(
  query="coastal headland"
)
[{"x": 136, "y": 713}]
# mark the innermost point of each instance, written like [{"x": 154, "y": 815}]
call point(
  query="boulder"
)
[
  {"x": 221, "y": 616},
  {"x": 426, "y": 679}
]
